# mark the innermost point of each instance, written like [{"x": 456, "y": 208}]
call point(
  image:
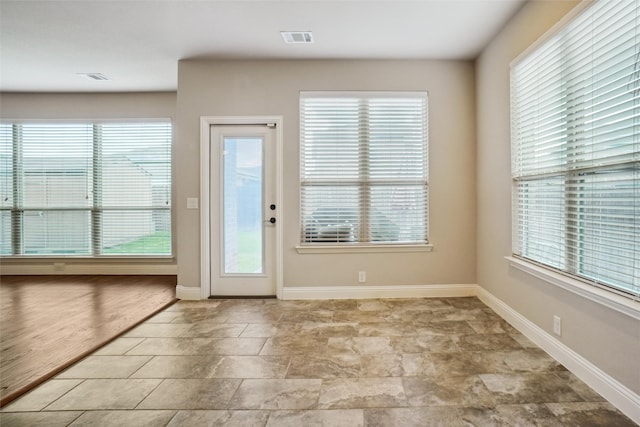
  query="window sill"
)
[
  {"x": 622, "y": 304},
  {"x": 351, "y": 249},
  {"x": 87, "y": 259}
]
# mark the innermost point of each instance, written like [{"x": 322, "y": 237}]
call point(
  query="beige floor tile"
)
[
  {"x": 191, "y": 394},
  {"x": 327, "y": 330},
  {"x": 118, "y": 347},
  {"x": 601, "y": 414},
  {"x": 105, "y": 367},
  {"x": 38, "y": 419},
  {"x": 259, "y": 330},
  {"x": 42, "y": 396},
  {"x": 276, "y": 394},
  {"x": 333, "y": 418},
  {"x": 491, "y": 327},
  {"x": 307, "y": 316},
  {"x": 529, "y": 388},
  {"x": 95, "y": 394},
  {"x": 463, "y": 364},
  {"x": 325, "y": 366},
  {"x": 354, "y": 393},
  {"x": 159, "y": 330},
  {"x": 236, "y": 346},
  {"x": 178, "y": 367},
  {"x": 586, "y": 392},
  {"x": 445, "y": 328},
  {"x": 292, "y": 345},
  {"x": 374, "y": 305},
  {"x": 413, "y": 417},
  {"x": 363, "y": 316},
  {"x": 460, "y": 391},
  {"x": 216, "y": 330},
  {"x": 529, "y": 414},
  {"x": 123, "y": 418},
  {"x": 250, "y": 367},
  {"x": 172, "y": 347},
  {"x": 523, "y": 341},
  {"x": 360, "y": 345},
  {"x": 486, "y": 342},
  {"x": 386, "y": 329},
  {"x": 397, "y": 365},
  {"x": 531, "y": 360},
  {"x": 219, "y": 418},
  {"x": 423, "y": 344}
]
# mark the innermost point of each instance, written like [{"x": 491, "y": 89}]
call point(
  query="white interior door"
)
[{"x": 243, "y": 210}]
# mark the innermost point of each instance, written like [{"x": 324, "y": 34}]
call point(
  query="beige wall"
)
[
  {"x": 15, "y": 105},
  {"x": 43, "y": 106},
  {"x": 606, "y": 338},
  {"x": 230, "y": 88}
]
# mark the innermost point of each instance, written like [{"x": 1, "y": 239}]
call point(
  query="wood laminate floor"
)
[{"x": 49, "y": 322}]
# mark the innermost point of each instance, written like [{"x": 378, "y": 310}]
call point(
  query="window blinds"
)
[
  {"x": 575, "y": 105},
  {"x": 364, "y": 167},
  {"x": 85, "y": 189}
]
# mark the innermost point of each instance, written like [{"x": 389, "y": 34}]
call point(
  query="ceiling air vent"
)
[
  {"x": 297, "y": 36},
  {"x": 94, "y": 76}
]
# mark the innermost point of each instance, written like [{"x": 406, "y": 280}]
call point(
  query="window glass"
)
[
  {"x": 364, "y": 167},
  {"x": 89, "y": 189}
]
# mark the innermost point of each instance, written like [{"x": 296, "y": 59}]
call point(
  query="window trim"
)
[
  {"x": 93, "y": 257},
  {"x": 368, "y": 247},
  {"x": 622, "y": 303},
  {"x": 325, "y": 248}
]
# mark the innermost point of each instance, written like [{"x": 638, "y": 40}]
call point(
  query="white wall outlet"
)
[
  {"x": 362, "y": 276},
  {"x": 557, "y": 325}
]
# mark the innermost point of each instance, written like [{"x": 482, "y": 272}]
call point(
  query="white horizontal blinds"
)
[
  {"x": 363, "y": 167},
  {"x": 6, "y": 187},
  {"x": 85, "y": 189},
  {"x": 540, "y": 228},
  {"x": 398, "y": 162},
  {"x": 135, "y": 191},
  {"x": 330, "y": 148},
  {"x": 56, "y": 175},
  {"x": 576, "y": 148}
]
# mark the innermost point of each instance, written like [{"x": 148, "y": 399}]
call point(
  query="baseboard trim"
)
[
  {"x": 616, "y": 393},
  {"x": 92, "y": 269},
  {"x": 390, "y": 291},
  {"x": 188, "y": 292}
]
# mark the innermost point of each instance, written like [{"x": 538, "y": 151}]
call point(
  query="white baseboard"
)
[
  {"x": 390, "y": 291},
  {"x": 616, "y": 393},
  {"x": 188, "y": 292},
  {"x": 97, "y": 269}
]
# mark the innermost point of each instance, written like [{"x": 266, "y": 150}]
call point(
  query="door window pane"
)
[{"x": 242, "y": 206}]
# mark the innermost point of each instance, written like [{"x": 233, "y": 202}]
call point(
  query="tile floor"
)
[{"x": 406, "y": 362}]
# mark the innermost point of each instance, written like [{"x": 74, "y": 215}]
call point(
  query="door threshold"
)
[{"x": 242, "y": 297}]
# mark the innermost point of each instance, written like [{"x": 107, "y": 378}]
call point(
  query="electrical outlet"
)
[
  {"x": 557, "y": 325},
  {"x": 362, "y": 276}
]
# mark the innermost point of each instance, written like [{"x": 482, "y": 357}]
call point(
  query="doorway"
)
[{"x": 243, "y": 216}]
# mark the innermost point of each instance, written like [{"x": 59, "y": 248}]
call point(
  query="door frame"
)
[{"x": 205, "y": 203}]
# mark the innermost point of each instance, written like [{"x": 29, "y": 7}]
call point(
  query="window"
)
[
  {"x": 85, "y": 189},
  {"x": 575, "y": 104},
  {"x": 363, "y": 168}
]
